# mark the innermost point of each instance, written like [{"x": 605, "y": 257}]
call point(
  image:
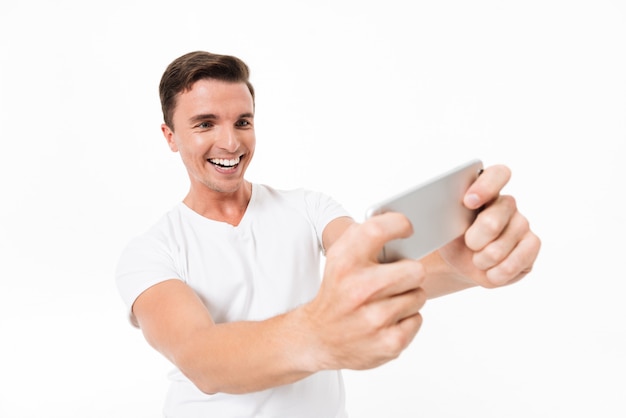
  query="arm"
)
[
  {"x": 233, "y": 357},
  {"x": 364, "y": 315}
]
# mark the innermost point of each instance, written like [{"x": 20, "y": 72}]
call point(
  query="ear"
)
[{"x": 169, "y": 137}]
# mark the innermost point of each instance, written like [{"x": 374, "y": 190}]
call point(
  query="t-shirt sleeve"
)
[
  {"x": 146, "y": 261},
  {"x": 322, "y": 210}
]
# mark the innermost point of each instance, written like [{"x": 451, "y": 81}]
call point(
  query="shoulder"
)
[
  {"x": 318, "y": 208},
  {"x": 298, "y": 197},
  {"x": 157, "y": 238},
  {"x": 148, "y": 258}
]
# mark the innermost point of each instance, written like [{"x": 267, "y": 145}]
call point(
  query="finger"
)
[
  {"x": 366, "y": 240},
  {"x": 487, "y": 186},
  {"x": 391, "y": 279},
  {"x": 394, "y": 337},
  {"x": 490, "y": 223},
  {"x": 399, "y": 336},
  {"x": 389, "y": 342},
  {"x": 519, "y": 262},
  {"x": 389, "y": 311},
  {"x": 496, "y": 251}
]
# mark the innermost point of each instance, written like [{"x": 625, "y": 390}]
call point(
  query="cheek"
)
[
  {"x": 190, "y": 153},
  {"x": 193, "y": 146},
  {"x": 251, "y": 143}
]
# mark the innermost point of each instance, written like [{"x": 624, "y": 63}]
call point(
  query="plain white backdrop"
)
[{"x": 358, "y": 99}]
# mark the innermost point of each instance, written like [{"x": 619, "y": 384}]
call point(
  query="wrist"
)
[{"x": 308, "y": 353}]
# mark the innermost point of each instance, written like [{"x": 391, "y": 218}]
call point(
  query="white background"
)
[{"x": 359, "y": 99}]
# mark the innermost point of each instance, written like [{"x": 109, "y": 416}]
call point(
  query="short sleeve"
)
[
  {"x": 323, "y": 209},
  {"x": 146, "y": 261}
]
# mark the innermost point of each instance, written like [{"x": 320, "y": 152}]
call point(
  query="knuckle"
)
[
  {"x": 493, "y": 253},
  {"x": 394, "y": 343},
  {"x": 357, "y": 294},
  {"x": 373, "y": 231},
  {"x": 537, "y": 242},
  {"x": 507, "y": 271},
  {"x": 491, "y": 224},
  {"x": 509, "y": 201},
  {"x": 375, "y": 317},
  {"x": 524, "y": 224},
  {"x": 401, "y": 336}
]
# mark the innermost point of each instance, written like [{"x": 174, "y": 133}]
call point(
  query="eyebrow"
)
[
  {"x": 211, "y": 116},
  {"x": 201, "y": 117}
]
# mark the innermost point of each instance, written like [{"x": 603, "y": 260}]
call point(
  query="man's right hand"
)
[{"x": 366, "y": 313}]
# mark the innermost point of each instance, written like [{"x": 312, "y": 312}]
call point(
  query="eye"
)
[
  {"x": 243, "y": 123},
  {"x": 204, "y": 125}
]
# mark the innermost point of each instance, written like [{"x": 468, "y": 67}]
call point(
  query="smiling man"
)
[
  {"x": 213, "y": 130},
  {"x": 227, "y": 284}
]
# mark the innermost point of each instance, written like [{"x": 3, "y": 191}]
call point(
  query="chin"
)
[{"x": 225, "y": 186}]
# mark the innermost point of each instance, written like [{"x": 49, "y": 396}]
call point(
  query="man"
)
[{"x": 226, "y": 284}]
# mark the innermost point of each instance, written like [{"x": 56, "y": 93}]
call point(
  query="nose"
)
[{"x": 229, "y": 139}]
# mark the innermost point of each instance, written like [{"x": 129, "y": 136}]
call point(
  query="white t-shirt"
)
[{"x": 265, "y": 266}]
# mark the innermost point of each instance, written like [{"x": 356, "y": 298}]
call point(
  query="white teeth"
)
[{"x": 225, "y": 163}]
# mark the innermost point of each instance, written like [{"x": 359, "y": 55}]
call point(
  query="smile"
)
[{"x": 225, "y": 163}]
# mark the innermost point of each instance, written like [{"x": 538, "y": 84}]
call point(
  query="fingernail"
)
[{"x": 472, "y": 201}]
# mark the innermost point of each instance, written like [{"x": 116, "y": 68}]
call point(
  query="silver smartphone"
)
[{"x": 435, "y": 209}]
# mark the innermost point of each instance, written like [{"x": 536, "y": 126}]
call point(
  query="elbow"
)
[
  {"x": 207, "y": 383},
  {"x": 206, "y": 388},
  {"x": 211, "y": 387},
  {"x": 202, "y": 383},
  {"x": 201, "y": 378}
]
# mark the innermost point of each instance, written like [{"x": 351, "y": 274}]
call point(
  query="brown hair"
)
[{"x": 185, "y": 70}]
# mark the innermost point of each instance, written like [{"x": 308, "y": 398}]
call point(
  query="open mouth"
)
[{"x": 225, "y": 163}]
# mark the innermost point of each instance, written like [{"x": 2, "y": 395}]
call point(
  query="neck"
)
[{"x": 226, "y": 207}]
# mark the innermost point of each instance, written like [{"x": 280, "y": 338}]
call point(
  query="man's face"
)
[{"x": 214, "y": 134}]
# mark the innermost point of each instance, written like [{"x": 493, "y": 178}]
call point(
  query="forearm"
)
[{"x": 247, "y": 356}]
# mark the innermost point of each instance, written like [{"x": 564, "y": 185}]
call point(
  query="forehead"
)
[{"x": 215, "y": 97}]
